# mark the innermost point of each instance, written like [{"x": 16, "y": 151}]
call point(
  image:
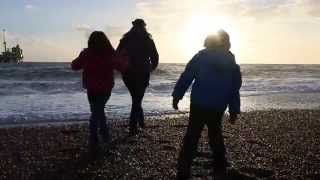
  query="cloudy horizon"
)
[{"x": 262, "y": 32}]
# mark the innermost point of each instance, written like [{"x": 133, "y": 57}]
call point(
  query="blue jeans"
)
[{"x": 98, "y": 118}]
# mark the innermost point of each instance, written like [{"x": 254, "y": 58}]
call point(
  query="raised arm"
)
[
  {"x": 77, "y": 64},
  {"x": 185, "y": 79}
]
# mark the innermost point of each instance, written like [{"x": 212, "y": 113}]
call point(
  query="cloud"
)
[
  {"x": 110, "y": 30},
  {"x": 236, "y": 8},
  {"x": 84, "y": 28},
  {"x": 258, "y": 23},
  {"x": 115, "y": 31},
  {"x": 28, "y": 6},
  {"x": 312, "y": 7},
  {"x": 37, "y": 48}
]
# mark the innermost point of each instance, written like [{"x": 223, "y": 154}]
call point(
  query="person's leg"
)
[
  {"x": 131, "y": 84},
  {"x": 140, "y": 94},
  {"x": 190, "y": 143},
  {"x": 136, "y": 84},
  {"x": 216, "y": 142},
  {"x": 93, "y": 122},
  {"x": 137, "y": 103},
  {"x": 104, "y": 130},
  {"x": 136, "y": 115}
]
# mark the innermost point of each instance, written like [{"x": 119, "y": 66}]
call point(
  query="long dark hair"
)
[{"x": 99, "y": 43}]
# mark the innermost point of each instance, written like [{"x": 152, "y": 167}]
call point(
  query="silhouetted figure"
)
[
  {"x": 217, "y": 80},
  {"x": 143, "y": 59},
  {"x": 98, "y": 62}
]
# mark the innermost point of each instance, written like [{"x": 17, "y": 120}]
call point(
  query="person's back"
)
[
  {"x": 97, "y": 70},
  {"x": 216, "y": 76},
  {"x": 139, "y": 48},
  {"x": 213, "y": 78},
  {"x": 216, "y": 82},
  {"x": 98, "y": 62},
  {"x": 143, "y": 58}
]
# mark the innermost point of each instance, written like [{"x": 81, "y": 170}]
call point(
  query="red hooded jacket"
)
[{"x": 98, "y": 69}]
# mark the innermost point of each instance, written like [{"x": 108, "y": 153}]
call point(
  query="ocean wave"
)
[
  {"x": 51, "y": 91},
  {"x": 34, "y": 87}
]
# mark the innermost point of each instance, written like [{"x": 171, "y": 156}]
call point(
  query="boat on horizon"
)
[{"x": 13, "y": 55}]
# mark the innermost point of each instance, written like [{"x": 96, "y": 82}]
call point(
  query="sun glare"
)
[{"x": 199, "y": 27}]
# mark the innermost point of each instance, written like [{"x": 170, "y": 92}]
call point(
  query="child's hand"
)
[
  {"x": 175, "y": 103},
  {"x": 233, "y": 118}
]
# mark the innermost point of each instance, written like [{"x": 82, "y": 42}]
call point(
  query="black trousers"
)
[
  {"x": 136, "y": 84},
  {"x": 198, "y": 118},
  {"x": 98, "y": 118}
]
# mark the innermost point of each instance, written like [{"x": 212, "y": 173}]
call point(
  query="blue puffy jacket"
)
[{"x": 217, "y": 80}]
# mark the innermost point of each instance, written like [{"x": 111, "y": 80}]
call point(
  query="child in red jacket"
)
[{"x": 98, "y": 62}]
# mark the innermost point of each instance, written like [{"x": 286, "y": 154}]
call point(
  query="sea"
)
[{"x": 52, "y": 92}]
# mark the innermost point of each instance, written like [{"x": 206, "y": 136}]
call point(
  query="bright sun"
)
[{"x": 200, "y": 26}]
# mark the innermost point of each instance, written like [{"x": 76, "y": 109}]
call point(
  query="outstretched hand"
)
[
  {"x": 175, "y": 103},
  {"x": 233, "y": 118}
]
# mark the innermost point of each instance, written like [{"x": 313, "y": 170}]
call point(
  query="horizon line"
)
[{"x": 182, "y": 63}]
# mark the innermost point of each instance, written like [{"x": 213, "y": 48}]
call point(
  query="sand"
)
[{"x": 270, "y": 144}]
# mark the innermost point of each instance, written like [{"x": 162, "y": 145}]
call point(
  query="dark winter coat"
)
[
  {"x": 98, "y": 69},
  {"x": 217, "y": 80}
]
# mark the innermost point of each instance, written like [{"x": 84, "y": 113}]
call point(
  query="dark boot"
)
[
  {"x": 183, "y": 175},
  {"x": 220, "y": 174},
  {"x": 93, "y": 147}
]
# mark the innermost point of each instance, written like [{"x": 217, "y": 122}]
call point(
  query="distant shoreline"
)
[{"x": 43, "y": 123}]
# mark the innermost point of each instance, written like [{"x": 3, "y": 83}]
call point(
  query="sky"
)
[{"x": 261, "y": 31}]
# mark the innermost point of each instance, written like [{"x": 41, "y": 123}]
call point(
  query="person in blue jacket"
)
[{"x": 216, "y": 83}]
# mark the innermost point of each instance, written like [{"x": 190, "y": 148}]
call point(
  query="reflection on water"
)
[{"x": 51, "y": 91}]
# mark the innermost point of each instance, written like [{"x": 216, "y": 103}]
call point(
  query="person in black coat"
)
[{"x": 140, "y": 48}]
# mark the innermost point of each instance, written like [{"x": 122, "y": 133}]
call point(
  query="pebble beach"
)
[{"x": 267, "y": 144}]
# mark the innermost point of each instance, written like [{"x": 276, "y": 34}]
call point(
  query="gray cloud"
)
[
  {"x": 115, "y": 31},
  {"x": 28, "y": 6},
  {"x": 83, "y": 28},
  {"x": 86, "y": 29},
  {"x": 110, "y": 30},
  {"x": 312, "y": 7},
  {"x": 165, "y": 9},
  {"x": 41, "y": 48}
]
